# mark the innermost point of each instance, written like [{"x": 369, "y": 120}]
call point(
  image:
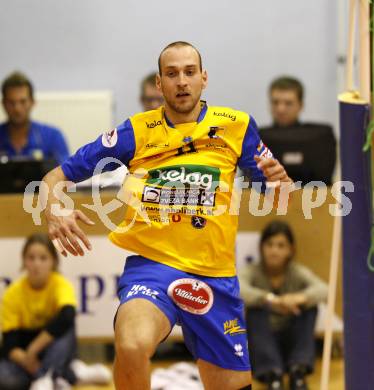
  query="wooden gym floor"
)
[{"x": 336, "y": 377}]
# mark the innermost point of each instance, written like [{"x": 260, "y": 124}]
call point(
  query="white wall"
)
[{"x": 97, "y": 44}]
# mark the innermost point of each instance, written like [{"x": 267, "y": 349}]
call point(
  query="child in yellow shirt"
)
[{"x": 37, "y": 321}]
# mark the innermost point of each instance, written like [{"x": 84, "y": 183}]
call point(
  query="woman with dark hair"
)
[
  {"x": 38, "y": 312},
  {"x": 281, "y": 298}
]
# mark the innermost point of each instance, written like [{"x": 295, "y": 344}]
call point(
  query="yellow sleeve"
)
[
  {"x": 65, "y": 294},
  {"x": 10, "y": 315}
]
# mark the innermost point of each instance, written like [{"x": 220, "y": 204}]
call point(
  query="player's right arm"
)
[{"x": 64, "y": 230}]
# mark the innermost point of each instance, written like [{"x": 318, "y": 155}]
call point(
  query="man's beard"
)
[
  {"x": 185, "y": 109},
  {"x": 19, "y": 122}
]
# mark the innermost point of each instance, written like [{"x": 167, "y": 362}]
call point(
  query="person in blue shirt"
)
[{"x": 21, "y": 137}]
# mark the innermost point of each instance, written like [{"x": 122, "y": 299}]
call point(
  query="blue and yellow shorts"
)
[{"x": 209, "y": 310}]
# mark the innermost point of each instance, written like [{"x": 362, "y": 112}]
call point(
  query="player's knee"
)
[{"x": 133, "y": 350}]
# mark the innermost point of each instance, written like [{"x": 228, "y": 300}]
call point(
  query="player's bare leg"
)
[
  {"x": 217, "y": 378},
  {"x": 140, "y": 327}
]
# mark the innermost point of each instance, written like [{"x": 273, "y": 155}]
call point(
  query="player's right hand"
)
[{"x": 65, "y": 232}]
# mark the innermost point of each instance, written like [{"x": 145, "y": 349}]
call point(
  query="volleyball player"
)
[{"x": 184, "y": 271}]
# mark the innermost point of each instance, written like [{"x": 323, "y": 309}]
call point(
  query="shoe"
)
[
  {"x": 297, "y": 378},
  {"x": 274, "y": 381},
  {"x": 43, "y": 383},
  {"x": 275, "y": 384},
  {"x": 179, "y": 376},
  {"x": 298, "y": 383},
  {"x": 186, "y": 370},
  {"x": 94, "y": 374},
  {"x": 159, "y": 379},
  {"x": 184, "y": 384},
  {"x": 62, "y": 384}
]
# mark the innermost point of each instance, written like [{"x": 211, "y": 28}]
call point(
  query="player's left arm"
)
[
  {"x": 273, "y": 170},
  {"x": 258, "y": 160}
]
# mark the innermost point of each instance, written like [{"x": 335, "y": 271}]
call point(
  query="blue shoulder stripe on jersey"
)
[
  {"x": 252, "y": 145},
  {"x": 168, "y": 122},
  {"x": 202, "y": 113},
  {"x": 82, "y": 164}
]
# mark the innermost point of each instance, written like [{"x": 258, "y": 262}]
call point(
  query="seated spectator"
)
[
  {"x": 281, "y": 298},
  {"x": 307, "y": 150},
  {"x": 22, "y": 137},
  {"x": 150, "y": 97},
  {"x": 38, "y": 315}
]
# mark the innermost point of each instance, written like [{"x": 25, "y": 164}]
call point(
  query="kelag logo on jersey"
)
[
  {"x": 153, "y": 124},
  {"x": 197, "y": 176},
  {"x": 185, "y": 185},
  {"x": 225, "y": 115}
]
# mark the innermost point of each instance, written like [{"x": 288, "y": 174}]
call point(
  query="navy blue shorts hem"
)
[{"x": 225, "y": 366}]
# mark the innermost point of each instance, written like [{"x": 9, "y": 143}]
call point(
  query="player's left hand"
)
[{"x": 273, "y": 170}]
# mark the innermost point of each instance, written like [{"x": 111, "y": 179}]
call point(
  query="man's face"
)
[
  {"x": 285, "y": 107},
  {"x": 152, "y": 97},
  {"x": 181, "y": 80},
  {"x": 18, "y": 103}
]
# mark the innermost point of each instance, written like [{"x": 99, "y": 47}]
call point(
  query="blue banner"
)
[{"x": 358, "y": 281}]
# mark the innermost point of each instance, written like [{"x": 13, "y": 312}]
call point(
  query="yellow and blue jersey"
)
[{"x": 180, "y": 185}]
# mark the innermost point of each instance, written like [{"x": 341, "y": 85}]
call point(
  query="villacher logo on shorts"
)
[{"x": 191, "y": 295}]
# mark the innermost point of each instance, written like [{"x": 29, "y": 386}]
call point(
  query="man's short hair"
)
[
  {"x": 287, "y": 83},
  {"x": 179, "y": 44},
  {"x": 17, "y": 79},
  {"x": 148, "y": 80}
]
